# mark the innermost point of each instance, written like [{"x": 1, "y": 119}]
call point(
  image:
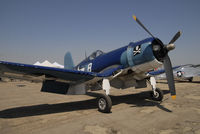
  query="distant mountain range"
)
[{"x": 49, "y": 64}]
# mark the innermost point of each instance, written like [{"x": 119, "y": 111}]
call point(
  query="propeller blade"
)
[
  {"x": 138, "y": 21},
  {"x": 170, "y": 76},
  {"x": 176, "y": 36}
]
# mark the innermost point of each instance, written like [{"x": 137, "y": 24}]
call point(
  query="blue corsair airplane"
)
[{"x": 121, "y": 68}]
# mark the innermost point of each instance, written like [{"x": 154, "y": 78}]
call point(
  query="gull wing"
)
[
  {"x": 41, "y": 73},
  {"x": 34, "y": 72}
]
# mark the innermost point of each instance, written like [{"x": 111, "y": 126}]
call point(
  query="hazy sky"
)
[{"x": 38, "y": 30}]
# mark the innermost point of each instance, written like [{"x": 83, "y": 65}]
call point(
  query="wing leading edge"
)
[{"x": 31, "y": 72}]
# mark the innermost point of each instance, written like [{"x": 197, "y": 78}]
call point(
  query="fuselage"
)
[{"x": 131, "y": 55}]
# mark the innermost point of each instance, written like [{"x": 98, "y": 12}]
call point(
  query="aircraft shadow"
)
[
  {"x": 179, "y": 81},
  {"x": 137, "y": 100},
  {"x": 162, "y": 82}
]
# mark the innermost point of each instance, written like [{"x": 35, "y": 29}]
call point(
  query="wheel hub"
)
[
  {"x": 102, "y": 104},
  {"x": 156, "y": 94}
]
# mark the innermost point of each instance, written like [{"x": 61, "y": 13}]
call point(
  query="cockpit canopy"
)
[{"x": 95, "y": 54}]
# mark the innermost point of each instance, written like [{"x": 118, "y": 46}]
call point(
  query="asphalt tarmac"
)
[{"x": 26, "y": 110}]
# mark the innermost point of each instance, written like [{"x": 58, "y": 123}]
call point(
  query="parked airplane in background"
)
[
  {"x": 182, "y": 72},
  {"x": 121, "y": 68}
]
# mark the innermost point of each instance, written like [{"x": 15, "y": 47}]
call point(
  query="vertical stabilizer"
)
[{"x": 68, "y": 61}]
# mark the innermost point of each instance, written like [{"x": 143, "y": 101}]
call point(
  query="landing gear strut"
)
[
  {"x": 104, "y": 103},
  {"x": 156, "y": 93}
]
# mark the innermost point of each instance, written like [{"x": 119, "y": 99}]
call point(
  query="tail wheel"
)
[
  {"x": 104, "y": 103},
  {"x": 158, "y": 96}
]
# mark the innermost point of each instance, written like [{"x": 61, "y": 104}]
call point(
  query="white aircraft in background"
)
[{"x": 182, "y": 72}]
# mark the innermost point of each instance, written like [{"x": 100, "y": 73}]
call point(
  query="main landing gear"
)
[
  {"x": 104, "y": 103},
  {"x": 156, "y": 93},
  {"x": 190, "y": 79}
]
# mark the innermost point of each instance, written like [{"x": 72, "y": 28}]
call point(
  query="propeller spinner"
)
[{"x": 164, "y": 49}]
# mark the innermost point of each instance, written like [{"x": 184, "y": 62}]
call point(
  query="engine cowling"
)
[{"x": 137, "y": 54}]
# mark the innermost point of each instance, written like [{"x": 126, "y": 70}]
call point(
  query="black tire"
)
[
  {"x": 190, "y": 79},
  {"x": 104, "y": 103},
  {"x": 158, "y": 96}
]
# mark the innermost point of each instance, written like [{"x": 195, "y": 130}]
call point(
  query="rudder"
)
[{"x": 68, "y": 61}]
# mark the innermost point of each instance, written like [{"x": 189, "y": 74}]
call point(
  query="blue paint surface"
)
[{"x": 119, "y": 57}]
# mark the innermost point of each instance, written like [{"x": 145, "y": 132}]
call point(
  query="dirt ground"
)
[{"x": 25, "y": 110}]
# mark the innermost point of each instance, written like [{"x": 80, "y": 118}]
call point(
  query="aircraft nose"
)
[{"x": 158, "y": 49}]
